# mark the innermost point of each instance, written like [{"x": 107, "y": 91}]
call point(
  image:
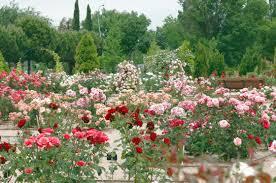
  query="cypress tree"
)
[
  {"x": 86, "y": 55},
  {"x": 88, "y": 20},
  {"x": 76, "y": 18}
]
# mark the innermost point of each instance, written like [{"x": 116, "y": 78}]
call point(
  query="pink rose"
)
[
  {"x": 80, "y": 135},
  {"x": 29, "y": 143},
  {"x": 272, "y": 146},
  {"x": 54, "y": 141},
  {"x": 224, "y": 124},
  {"x": 47, "y": 131},
  {"x": 28, "y": 171},
  {"x": 42, "y": 142},
  {"x": 237, "y": 141}
]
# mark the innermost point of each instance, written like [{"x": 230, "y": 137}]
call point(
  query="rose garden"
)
[{"x": 116, "y": 98}]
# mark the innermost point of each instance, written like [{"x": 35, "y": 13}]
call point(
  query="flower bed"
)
[{"x": 159, "y": 127}]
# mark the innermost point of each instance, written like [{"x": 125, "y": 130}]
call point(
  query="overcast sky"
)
[{"x": 156, "y": 10}]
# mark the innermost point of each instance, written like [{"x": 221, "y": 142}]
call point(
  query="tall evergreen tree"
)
[
  {"x": 86, "y": 55},
  {"x": 76, "y": 18},
  {"x": 88, "y": 20}
]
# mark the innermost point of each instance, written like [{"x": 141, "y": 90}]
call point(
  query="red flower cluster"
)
[
  {"x": 2, "y": 160},
  {"x": 85, "y": 119},
  {"x": 150, "y": 125},
  {"x": 5, "y": 146},
  {"x": 110, "y": 113},
  {"x": 136, "y": 140},
  {"x": 53, "y": 105},
  {"x": 153, "y": 136},
  {"x": 167, "y": 141},
  {"x": 149, "y": 112},
  {"x": 137, "y": 119},
  {"x": 80, "y": 163},
  {"x": 21, "y": 123},
  {"x": 176, "y": 122},
  {"x": 139, "y": 150},
  {"x": 257, "y": 139},
  {"x": 92, "y": 135}
]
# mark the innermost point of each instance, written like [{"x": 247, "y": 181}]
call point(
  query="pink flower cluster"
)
[
  {"x": 92, "y": 135},
  {"x": 97, "y": 95},
  {"x": 188, "y": 105},
  {"x": 42, "y": 141}
]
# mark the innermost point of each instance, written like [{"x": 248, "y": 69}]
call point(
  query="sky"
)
[{"x": 156, "y": 10}]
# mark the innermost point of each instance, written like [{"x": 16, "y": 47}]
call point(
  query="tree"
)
[
  {"x": 153, "y": 49},
  {"x": 40, "y": 34},
  {"x": 170, "y": 35},
  {"x": 76, "y": 18},
  {"x": 65, "y": 24},
  {"x": 3, "y": 65},
  {"x": 86, "y": 55},
  {"x": 250, "y": 60},
  {"x": 208, "y": 59},
  {"x": 88, "y": 20},
  {"x": 185, "y": 54},
  {"x": 112, "y": 51}
]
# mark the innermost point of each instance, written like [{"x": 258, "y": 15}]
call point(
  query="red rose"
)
[
  {"x": 21, "y": 123},
  {"x": 80, "y": 163},
  {"x": 258, "y": 140},
  {"x": 139, "y": 122},
  {"x": 153, "y": 136},
  {"x": 122, "y": 109},
  {"x": 55, "y": 126},
  {"x": 250, "y": 136},
  {"x": 85, "y": 119},
  {"x": 266, "y": 124},
  {"x": 111, "y": 110},
  {"x": 2, "y": 160},
  {"x": 53, "y": 105},
  {"x": 6, "y": 146},
  {"x": 167, "y": 141},
  {"x": 139, "y": 150},
  {"x": 169, "y": 172},
  {"x": 150, "y": 125},
  {"x": 28, "y": 170},
  {"x": 66, "y": 136},
  {"x": 149, "y": 112},
  {"x": 136, "y": 140}
]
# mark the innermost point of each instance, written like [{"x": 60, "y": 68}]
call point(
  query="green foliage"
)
[
  {"x": 88, "y": 20},
  {"x": 3, "y": 65},
  {"x": 6, "y": 107},
  {"x": 171, "y": 35},
  {"x": 112, "y": 52},
  {"x": 58, "y": 65},
  {"x": 153, "y": 49},
  {"x": 250, "y": 60},
  {"x": 86, "y": 55},
  {"x": 208, "y": 59},
  {"x": 19, "y": 66},
  {"x": 76, "y": 18},
  {"x": 185, "y": 54}
]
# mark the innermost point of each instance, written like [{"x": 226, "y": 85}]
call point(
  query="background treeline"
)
[{"x": 232, "y": 35}]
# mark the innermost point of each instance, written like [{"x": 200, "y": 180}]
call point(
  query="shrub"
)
[
  {"x": 250, "y": 60},
  {"x": 86, "y": 55},
  {"x": 3, "y": 65}
]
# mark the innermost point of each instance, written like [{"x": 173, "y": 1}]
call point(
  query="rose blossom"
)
[
  {"x": 177, "y": 111},
  {"x": 80, "y": 163},
  {"x": 237, "y": 141},
  {"x": 272, "y": 146},
  {"x": 66, "y": 136},
  {"x": 224, "y": 124},
  {"x": 28, "y": 170}
]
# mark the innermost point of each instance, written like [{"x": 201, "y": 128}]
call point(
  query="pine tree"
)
[
  {"x": 76, "y": 18},
  {"x": 86, "y": 55},
  {"x": 3, "y": 65},
  {"x": 88, "y": 20}
]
